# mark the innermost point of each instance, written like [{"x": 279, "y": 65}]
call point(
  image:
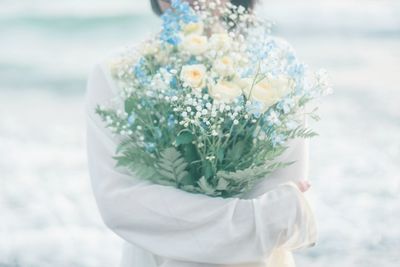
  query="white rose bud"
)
[
  {"x": 225, "y": 91},
  {"x": 224, "y": 66},
  {"x": 220, "y": 42},
  {"x": 194, "y": 76},
  {"x": 193, "y": 28},
  {"x": 195, "y": 44},
  {"x": 270, "y": 90}
]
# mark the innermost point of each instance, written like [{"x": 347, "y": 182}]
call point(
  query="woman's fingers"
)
[{"x": 303, "y": 185}]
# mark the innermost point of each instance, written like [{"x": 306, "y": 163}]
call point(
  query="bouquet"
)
[{"x": 210, "y": 102}]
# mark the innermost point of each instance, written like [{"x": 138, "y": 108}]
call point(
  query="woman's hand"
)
[{"x": 303, "y": 185}]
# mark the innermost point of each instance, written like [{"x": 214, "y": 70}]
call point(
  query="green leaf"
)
[
  {"x": 187, "y": 180},
  {"x": 207, "y": 169},
  {"x": 191, "y": 155},
  {"x": 172, "y": 166},
  {"x": 220, "y": 154},
  {"x": 275, "y": 152},
  {"x": 222, "y": 184},
  {"x": 122, "y": 161},
  {"x": 302, "y": 133},
  {"x": 139, "y": 169},
  {"x": 205, "y": 186},
  {"x": 237, "y": 150},
  {"x": 190, "y": 152},
  {"x": 129, "y": 105},
  {"x": 184, "y": 138},
  {"x": 241, "y": 180}
]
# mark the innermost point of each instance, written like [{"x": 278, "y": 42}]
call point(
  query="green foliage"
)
[
  {"x": 129, "y": 104},
  {"x": 206, "y": 188},
  {"x": 273, "y": 153},
  {"x": 173, "y": 167},
  {"x": 302, "y": 133},
  {"x": 135, "y": 160},
  {"x": 235, "y": 183},
  {"x": 236, "y": 152},
  {"x": 184, "y": 138},
  {"x": 207, "y": 169}
]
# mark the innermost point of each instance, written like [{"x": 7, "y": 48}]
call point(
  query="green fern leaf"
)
[
  {"x": 172, "y": 166},
  {"x": 206, "y": 188}
]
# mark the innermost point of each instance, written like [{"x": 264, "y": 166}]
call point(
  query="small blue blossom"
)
[
  {"x": 174, "y": 82},
  {"x": 132, "y": 119},
  {"x": 204, "y": 126},
  {"x": 291, "y": 125},
  {"x": 297, "y": 72},
  {"x": 273, "y": 118},
  {"x": 192, "y": 61},
  {"x": 140, "y": 71},
  {"x": 180, "y": 13},
  {"x": 286, "y": 105},
  {"x": 290, "y": 57},
  {"x": 277, "y": 139},
  {"x": 250, "y": 70},
  {"x": 240, "y": 100},
  {"x": 255, "y": 108},
  {"x": 150, "y": 147},
  {"x": 147, "y": 102},
  {"x": 158, "y": 133},
  {"x": 171, "y": 121}
]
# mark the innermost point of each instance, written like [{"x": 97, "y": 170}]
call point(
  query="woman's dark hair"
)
[{"x": 248, "y": 4}]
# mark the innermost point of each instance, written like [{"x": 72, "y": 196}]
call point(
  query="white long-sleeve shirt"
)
[{"x": 164, "y": 226}]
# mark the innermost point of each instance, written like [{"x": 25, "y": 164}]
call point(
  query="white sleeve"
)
[{"x": 178, "y": 225}]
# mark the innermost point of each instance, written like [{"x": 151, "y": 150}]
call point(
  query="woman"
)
[{"x": 164, "y": 226}]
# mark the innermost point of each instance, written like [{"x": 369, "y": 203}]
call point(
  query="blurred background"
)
[{"x": 48, "y": 215}]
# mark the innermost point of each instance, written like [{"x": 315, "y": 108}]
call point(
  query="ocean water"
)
[{"x": 47, "y": 212}]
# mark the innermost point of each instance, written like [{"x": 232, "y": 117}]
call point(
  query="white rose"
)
[
  {"x": 194, "y": 76},
  {"x": 224, "y": 66},
  {"x": 225, "y": 91},
  {"x": 283, "y": 84},
  {"x": 195, "y": 44},
  {"x": 245, "y": 84},
  {"x": 220, "y": 42},
  {"x": 270, "y": 90},
  {"x": 193, "y": 28}
]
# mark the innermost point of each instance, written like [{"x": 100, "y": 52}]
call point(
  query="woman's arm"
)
[{"x": 179, "y": 225}]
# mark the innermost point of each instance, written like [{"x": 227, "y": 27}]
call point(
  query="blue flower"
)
[
  {"x": 204, "y": 126},
  {"x": 171, "y": 121},
  {"x": 255, "y": 108},
  {"x": 290, "y": 57},
  {"x": 140, "y": 71},
  {"x": 158, "y": 133},
  {"x": 192, "y": 61},
  {"x": 291, "y": 125},
  {"x": 174, "y": 82},
  {"x": 132, "y": 119},
  {"x": 180, "y": 13},
  {"x": 150, "y": 147},
  {"x": 146, "y": 102},
  {"x": 277, "y": 139},
  {"x": 297, "y": 72},
  {"x": 272, "y": 118},
  {"x": 286, "y": 105},
  {"x": 240, "y": 100}
]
